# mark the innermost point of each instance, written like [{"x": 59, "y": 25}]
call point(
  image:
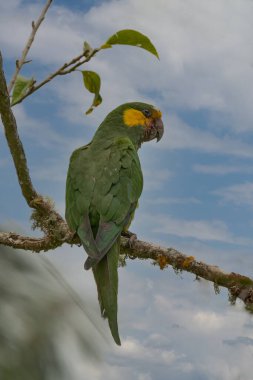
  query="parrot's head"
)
[
  {"x": 141, "y": 122},
  {"x": 144, "y": 117}
]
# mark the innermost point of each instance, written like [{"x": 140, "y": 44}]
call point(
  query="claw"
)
[
  {"x": 132, "y": 240},
  {"x": 131, "y": 237}
]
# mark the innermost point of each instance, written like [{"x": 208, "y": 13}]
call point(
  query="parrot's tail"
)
[
  {"x": 106, "y": 277},
  {"x": 90, "y": 262}
]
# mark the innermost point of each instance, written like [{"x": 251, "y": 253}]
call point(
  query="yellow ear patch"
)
[{"x": 133, "y": 117}]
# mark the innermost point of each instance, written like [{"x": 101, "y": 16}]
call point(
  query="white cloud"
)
[
  {"x": 198, "y": 229},
  {"x": 200, "y": 64},
  {"x": 44, "y": 136},
  {"x": 57, "y": 39},
  {"x": 202, "y": 324},
  {"x": 212, "y": 230},
  {"x": 208, "y": 321},
  {"x": 115, "y": 90},
  {"x": 52, "y": 170},
  {"x": 221, "y": 169},
  {"x": 144, "y": 376},
  {"x": 182, "y": 136},
  {"x": 205, "y": 49},
  {"x": 173, "y": 200},
  {"x": 218, "y": 368},
  {"x": 239, "y": 194},
  {"x": 203, "y": 320},
  {"x": 134, "y": 350},
  {"x": 12, "y": 4},
  {"x": 40, "y": 132},
  {"x": 154, "y": 178}
]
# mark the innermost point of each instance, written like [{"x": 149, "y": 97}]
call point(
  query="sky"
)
[{"x": 198, "y": 187}]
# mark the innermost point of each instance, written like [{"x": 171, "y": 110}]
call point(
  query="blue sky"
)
[{"x": 198, "y": 192}]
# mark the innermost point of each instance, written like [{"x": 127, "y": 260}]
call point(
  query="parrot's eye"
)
[{"x": 147, "y": 113}]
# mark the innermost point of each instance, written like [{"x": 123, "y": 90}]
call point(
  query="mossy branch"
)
[
  {"x": 239, "y": 286},
  {"x": 45, "y": 215}
]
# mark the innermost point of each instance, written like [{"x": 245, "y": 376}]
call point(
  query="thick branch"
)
[
  {"x": 238, "y": 285},
  {"x": 21, "y": 61},
  {"x": 29, "y": 243},
  {"x": 15, "y": 145},
  {"x": 46, "y": 217}
]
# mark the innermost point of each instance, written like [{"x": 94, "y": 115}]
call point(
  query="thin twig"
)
[
  {"x": 71, "y": 65},
  {"x": 94, "y": 51},
  {"x": 61, "y": 71},
  {"x": 22, "y": 60}
]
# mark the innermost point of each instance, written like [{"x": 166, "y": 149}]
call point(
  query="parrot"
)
[{"x": 104, "y": 184}]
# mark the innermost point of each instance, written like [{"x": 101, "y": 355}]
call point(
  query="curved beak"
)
[
  {"x": 154, "y": 130},
  {"x": 159, "y": 129}
]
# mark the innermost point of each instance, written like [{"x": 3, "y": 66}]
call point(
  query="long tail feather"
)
[{"x": 106, "y": 277}]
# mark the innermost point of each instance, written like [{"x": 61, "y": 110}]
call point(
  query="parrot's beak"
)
[
  {"x": 159, "y": 129},
  {"x": 153, "y": 130}
]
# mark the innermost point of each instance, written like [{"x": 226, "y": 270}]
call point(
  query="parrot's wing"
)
[
  {"x": 103, "y": 188},
  {"x": 79, "y": 189},
  {"x": 116, "y": 193}
]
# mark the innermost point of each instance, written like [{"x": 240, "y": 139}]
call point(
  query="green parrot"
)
[{"x": 104, "y": 183}]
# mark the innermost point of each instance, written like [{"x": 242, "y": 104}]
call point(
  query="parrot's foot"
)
[{"x": 131, "y": 238}]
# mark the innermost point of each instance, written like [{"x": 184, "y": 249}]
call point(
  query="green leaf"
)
[
  {"x": 98, "y": 100},
  {"x": 92, "y": 82},
  {"x": 87, "y": 49},
  {"x": 21, "y": 87},
  {"x": 133, "y": 38}
]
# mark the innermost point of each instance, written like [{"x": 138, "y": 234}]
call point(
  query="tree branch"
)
[
  {"x": 239, "y": 286},
  {"x": 45, "y": 216},
  {"x": 35, "y": 26},
  {"x": 15, "y": 145},
  {"x": 87, "y": 59},
  {"x": 28, "y": 243}
]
